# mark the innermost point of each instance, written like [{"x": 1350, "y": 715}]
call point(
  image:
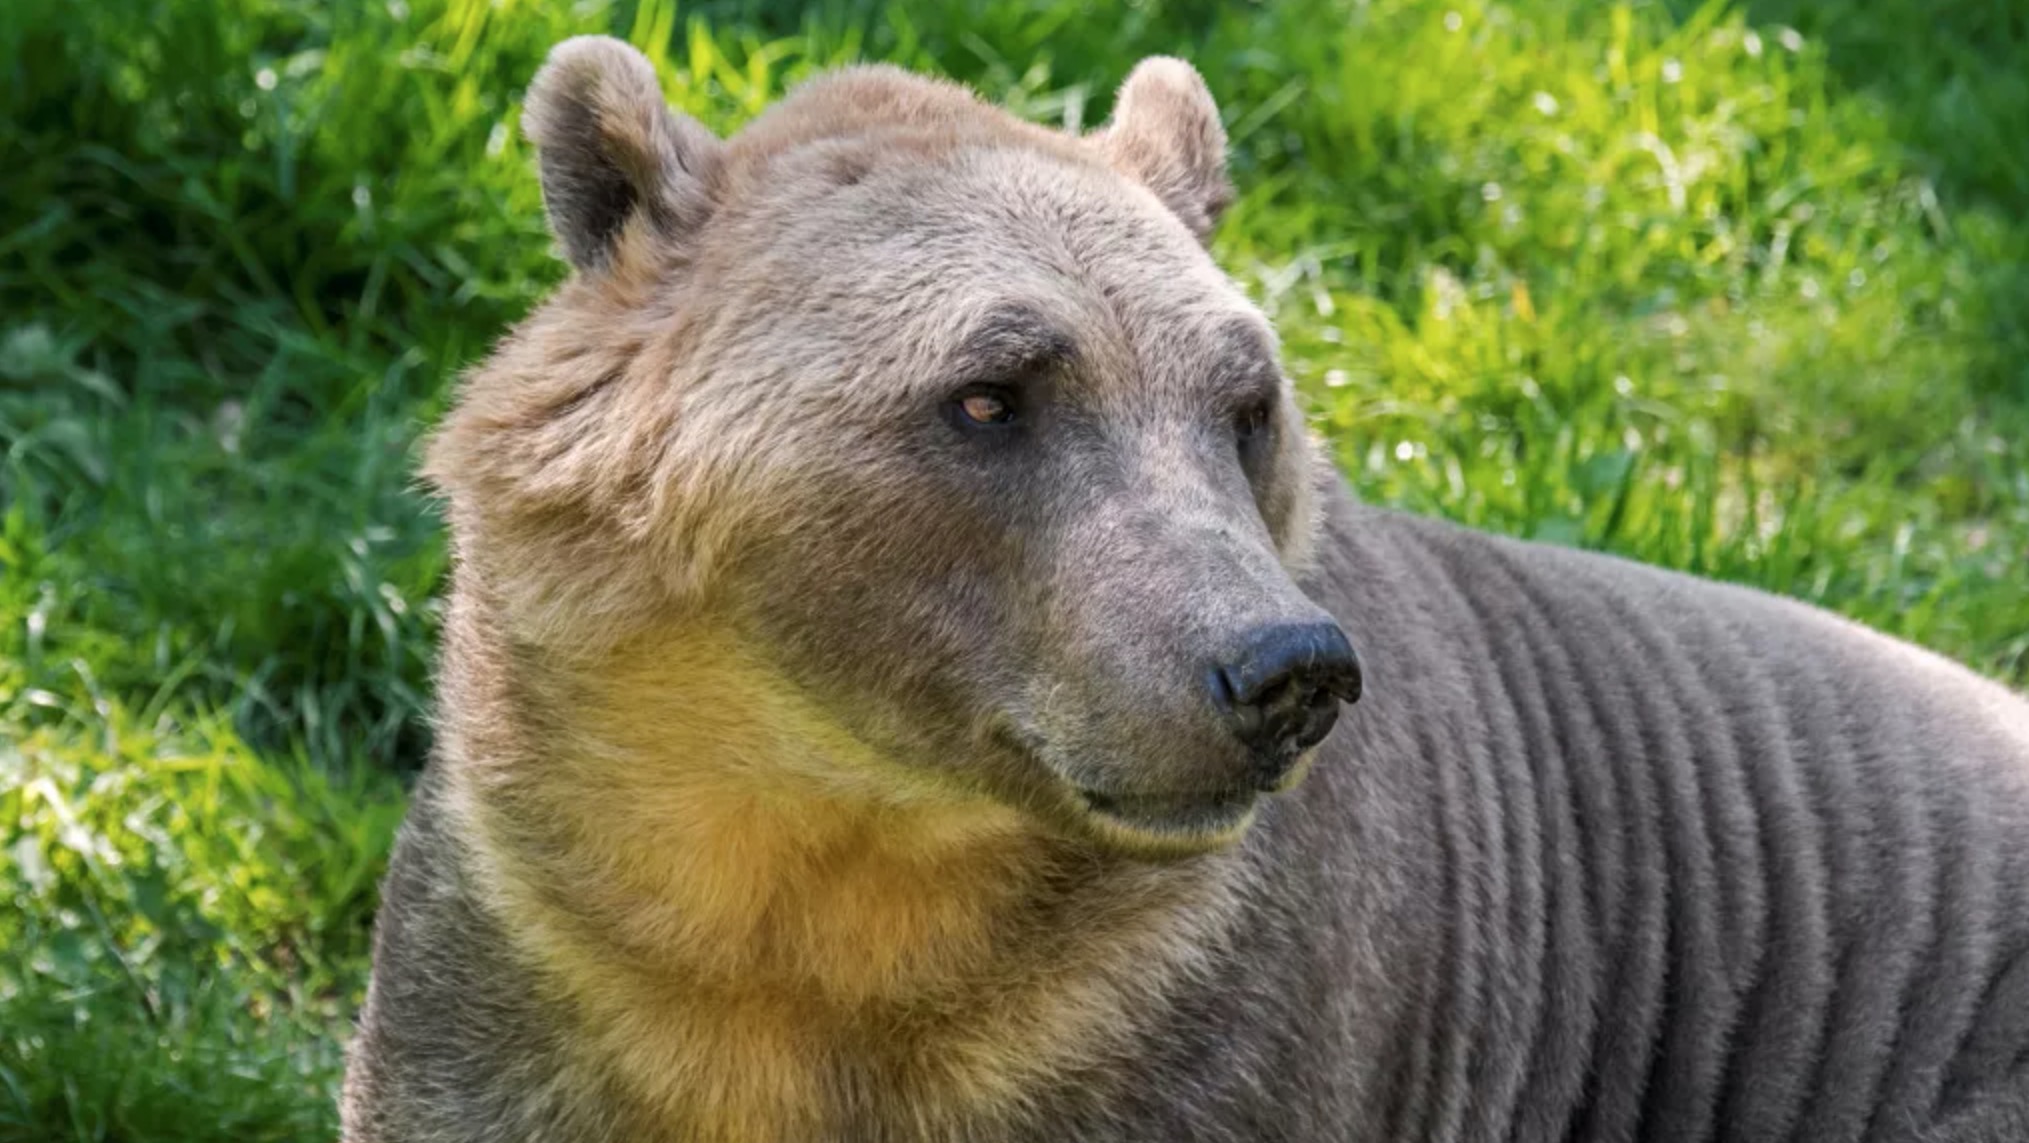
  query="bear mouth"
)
[{"x": 1204, "y": 817}]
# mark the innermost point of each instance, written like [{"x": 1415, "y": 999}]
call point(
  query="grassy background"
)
[{"x": 1743, "y": 290}]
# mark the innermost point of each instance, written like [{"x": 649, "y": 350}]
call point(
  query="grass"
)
[{"x": 1738, "y": 290}]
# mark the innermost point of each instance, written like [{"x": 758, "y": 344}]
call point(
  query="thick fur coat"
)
[{"x": 825, "y": 756}]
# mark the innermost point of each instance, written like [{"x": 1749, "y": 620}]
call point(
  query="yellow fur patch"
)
[{"x": 755, "y": 915}]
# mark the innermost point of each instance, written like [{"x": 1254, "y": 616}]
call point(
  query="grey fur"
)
[
  {"x": 611, "y": 151},
  {"x": 1605, "y": 853}
]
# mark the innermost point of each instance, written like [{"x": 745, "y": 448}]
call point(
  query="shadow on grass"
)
[{"x": 1951, "y": 77}]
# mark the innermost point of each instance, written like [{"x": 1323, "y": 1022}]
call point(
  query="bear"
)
[{"x": 909, "y": 675}]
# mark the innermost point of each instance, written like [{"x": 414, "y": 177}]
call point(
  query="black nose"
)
[{"x": 1282, "y": 694}]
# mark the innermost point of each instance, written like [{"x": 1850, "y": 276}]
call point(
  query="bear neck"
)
[{"x": 760, "y": 929}]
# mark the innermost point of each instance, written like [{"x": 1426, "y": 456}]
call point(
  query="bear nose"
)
[{"x": 1281, "y": 694}]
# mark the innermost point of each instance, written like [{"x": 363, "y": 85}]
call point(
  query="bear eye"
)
[
  {"x": 1251, "y": 421},
  {"x": 984, "y": 407}
]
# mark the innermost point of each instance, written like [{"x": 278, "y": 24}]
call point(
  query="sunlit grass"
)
[
  {"x": 1744, "y": 292},
  {"x": 187, "y": 926}
]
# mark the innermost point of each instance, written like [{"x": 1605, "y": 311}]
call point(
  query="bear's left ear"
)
[
  {"x": 1165, "y": 134},
  {"x": 611, "y": 150}
]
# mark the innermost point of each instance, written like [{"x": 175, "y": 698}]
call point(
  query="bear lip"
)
[{"x": 1194, "y": 813}]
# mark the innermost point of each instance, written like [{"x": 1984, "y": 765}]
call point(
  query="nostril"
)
[
  {"x": 1220, "y": 682},
  {"x": 1281, "y": 694},
  {"x": 1245, "y": 715}
]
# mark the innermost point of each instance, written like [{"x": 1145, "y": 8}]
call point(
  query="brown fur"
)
[
  {"x": 804, "y": 905},
  {"x": 738, "y": 895},
  {"x": 788, "y": 716}
]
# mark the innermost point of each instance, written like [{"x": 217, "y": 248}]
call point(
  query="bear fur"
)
[{"x": 819, "y": 761}]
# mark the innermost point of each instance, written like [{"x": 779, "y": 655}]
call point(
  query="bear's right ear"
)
[{"x": 611, "y": 150}]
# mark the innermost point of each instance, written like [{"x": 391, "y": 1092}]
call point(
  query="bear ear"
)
[
  {"x": 1165, "y": 133},
  {"x": 610, "y": 150}
]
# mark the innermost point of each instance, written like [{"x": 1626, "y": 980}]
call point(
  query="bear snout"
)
[{"x": 1280, "y": 695}]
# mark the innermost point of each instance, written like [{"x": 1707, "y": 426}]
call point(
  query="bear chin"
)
[{"x": 1168, "y": 825}]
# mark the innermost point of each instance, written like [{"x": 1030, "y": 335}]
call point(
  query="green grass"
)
[{"x": 1738, "y": 290}]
